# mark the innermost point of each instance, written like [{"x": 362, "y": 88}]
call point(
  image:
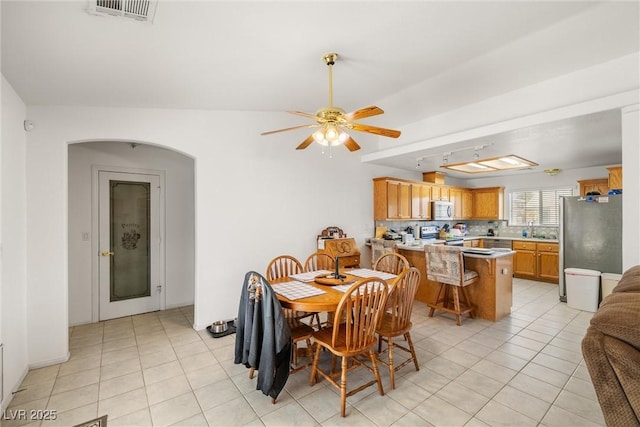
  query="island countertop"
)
[{"x": 492, "y": 295}]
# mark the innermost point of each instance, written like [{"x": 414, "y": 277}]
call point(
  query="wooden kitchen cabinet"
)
[
  {"x": 601, "y": 185},
  {"x": 420, "y": 201},
  {"x": 548, "y": 261},
  {"x": 455, "y": 196},
  {"x": 391, "y": 199},
  {"x": 615, "y": 178},
  {"x": 536, "y": 261},
  {"x": 402, "y": 199},
  {"x": 488, "y": 203},
  {"x": 462, "y": 203},
  {"x": 467, "y": 204},
  {"x": 473, "y": 243},
  {"x": 439, "y": 193},
  {"x": 524, "y": 261}
]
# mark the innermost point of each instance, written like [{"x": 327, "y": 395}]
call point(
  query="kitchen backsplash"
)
[{"x": 479, "y": 228}]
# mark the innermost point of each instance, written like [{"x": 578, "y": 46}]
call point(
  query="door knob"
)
[{"x": 106, "y": 253}]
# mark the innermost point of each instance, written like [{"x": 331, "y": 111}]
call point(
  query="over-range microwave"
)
[{"x": 441, "y": 210}]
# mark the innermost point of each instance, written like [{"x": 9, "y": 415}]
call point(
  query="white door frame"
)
[{"x": 95, "y": 259}]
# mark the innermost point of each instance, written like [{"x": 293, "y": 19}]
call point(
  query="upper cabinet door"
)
[
  {"x": 391, "y": 199},
  {"x": 615, "y": 178},
  {"x": 420, "y": 201},
  {"x": 488, "y": 203}
]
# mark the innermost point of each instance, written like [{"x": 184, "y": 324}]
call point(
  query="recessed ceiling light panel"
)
[{"x": 493, "y": 164}]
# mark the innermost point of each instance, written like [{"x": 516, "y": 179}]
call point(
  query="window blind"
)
[{"x": 540, "y": 206}]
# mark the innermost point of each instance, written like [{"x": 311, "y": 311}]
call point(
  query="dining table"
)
[{"x": 327, "y": 296}]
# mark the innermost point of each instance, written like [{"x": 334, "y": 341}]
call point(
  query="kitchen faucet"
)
[{"x": 531, "y": 226}]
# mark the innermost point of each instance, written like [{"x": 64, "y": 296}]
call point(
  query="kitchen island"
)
[{"x": 492, "y": 295}]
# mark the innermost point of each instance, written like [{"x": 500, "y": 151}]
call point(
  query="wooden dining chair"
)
[
  {"x": 352, "y": 334},
  {"x": 283, "y": 266},
  {"x": 278, "y": 268},
  {"x": 319, "y": 261},
  {"x": 392, "y": 262},
  {"x": 286, "y": 265},
  {"x": 445, "y": 265},
  {"x": 397, "y": 322}
]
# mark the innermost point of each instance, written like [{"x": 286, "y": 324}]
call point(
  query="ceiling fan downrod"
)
[{"x": 330, "y": 59}]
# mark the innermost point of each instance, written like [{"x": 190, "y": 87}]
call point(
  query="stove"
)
[{"x": 428, "y": 232}]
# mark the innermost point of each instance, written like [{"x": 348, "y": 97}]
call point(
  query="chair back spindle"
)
[
  {"x": 391, "y": 262},
  {"x": 319, "y": 261},
  {"x": 362, "y": 306},
  {"x": 283, "y": 266}
]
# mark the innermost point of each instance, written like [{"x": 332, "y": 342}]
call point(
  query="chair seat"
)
[
  {"x": 299, "y": 330},
  {"x": 323, "y": 337},
  {"x": 386, "y": 327},
  {"x": 469, "y": 275}
]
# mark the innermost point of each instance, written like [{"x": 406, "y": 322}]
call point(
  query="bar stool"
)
[{"x": 445, "y": 265}]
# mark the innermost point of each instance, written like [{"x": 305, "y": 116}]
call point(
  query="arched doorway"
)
[{"x": 176, "y": 223}]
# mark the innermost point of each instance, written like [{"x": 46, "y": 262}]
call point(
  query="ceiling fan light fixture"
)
[
  {"x": 333, "y": 120},
  {"x": 330, "y": 135}
]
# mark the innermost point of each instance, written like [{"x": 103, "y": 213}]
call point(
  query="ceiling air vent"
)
[{"x": 142, "y": 10}]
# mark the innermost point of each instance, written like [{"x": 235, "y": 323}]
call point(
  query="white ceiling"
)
[{"x": 267, "y": 56}]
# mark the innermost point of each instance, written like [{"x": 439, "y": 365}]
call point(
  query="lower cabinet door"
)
[
  {"x": 548, "y": 265},
  {"x": 525, "y": 263}
]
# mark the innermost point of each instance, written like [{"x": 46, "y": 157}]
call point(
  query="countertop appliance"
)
[
  {"x": 590, "y": 235},
  {"x": 428, "y": 232},
  {"x": 462, "y": 227},
  {"x": 441, "y": 210}
]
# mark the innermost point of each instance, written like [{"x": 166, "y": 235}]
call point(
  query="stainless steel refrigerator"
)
[{"x": 590, "y": 235}]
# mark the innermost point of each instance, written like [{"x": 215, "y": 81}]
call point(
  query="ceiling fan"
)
[{"x": 333, "y": 122}]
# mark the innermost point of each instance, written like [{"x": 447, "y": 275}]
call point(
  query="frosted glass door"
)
[{"x": 129, "y": 244}]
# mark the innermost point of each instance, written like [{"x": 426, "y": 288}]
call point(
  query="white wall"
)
[
  {"x": 179, "y": 233},
  {"x": 256, "y": 197},
  {"x": 631, "y": 186},
  {"x": 13, "y": 254}
]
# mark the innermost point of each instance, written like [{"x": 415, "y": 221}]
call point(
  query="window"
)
[{"x": 540, "y": 206}]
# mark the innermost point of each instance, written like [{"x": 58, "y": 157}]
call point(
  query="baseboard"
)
[
  {"x": 50, "y": 362},
  {"x": 14, "y": 388}
]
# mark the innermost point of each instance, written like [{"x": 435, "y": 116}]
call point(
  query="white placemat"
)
[
  {"x": 308, "y": 276},
  {"x": 367, "y": 272},
  {"x": 345, "y": 288},
  {"x": 296, "y": 290}
]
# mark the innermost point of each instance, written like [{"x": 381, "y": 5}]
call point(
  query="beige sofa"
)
[{"x": 611, "y": 350}]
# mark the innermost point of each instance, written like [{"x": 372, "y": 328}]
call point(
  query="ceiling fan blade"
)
[
  {"x": 300, "y": 113},
  {"x": 369, "y": 111},
  {"x": 351, "y": 144},
  {"x": 376, "y": 130},
  {"x": 305, "y": 143},
  {"x": 286, "y": 129}
]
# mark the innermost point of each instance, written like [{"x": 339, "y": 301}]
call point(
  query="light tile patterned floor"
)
[{"x": 154, "y": 369}]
